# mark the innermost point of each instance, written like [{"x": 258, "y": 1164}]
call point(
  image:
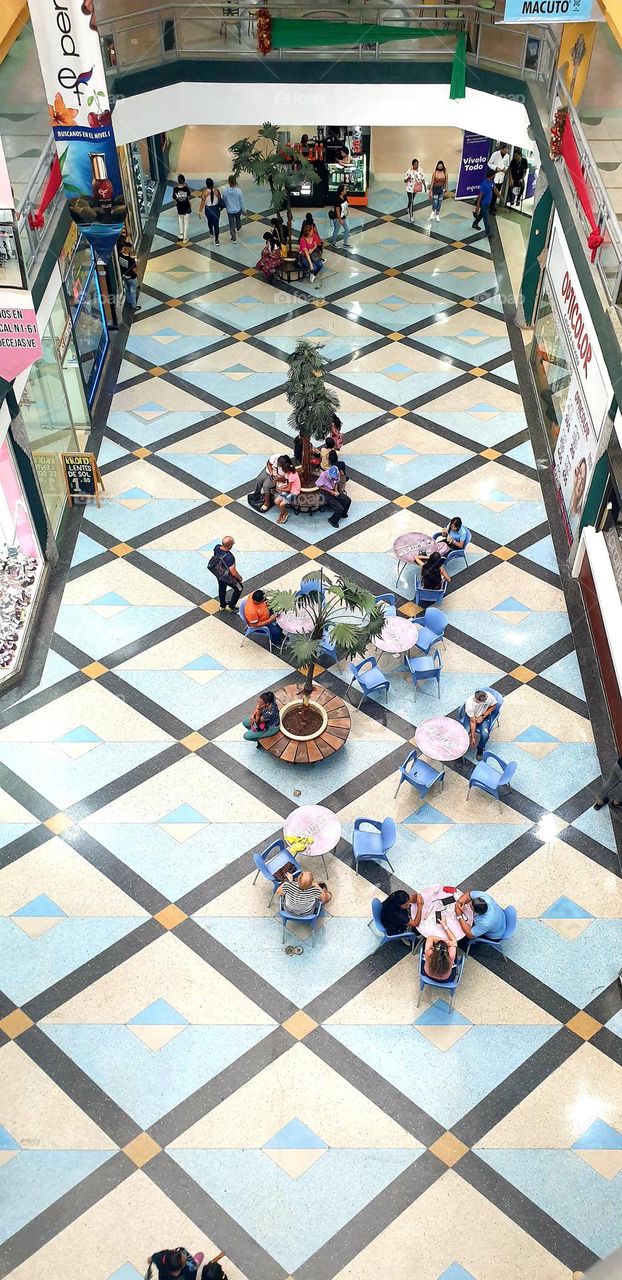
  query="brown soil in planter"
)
[{"x": 302, "y": 720}]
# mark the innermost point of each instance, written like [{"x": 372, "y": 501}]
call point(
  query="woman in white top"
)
[{"x": 415, "y": 182}]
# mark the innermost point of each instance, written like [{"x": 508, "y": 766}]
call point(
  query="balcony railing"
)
[
  {"x": 609, "y": 256},
  {"x": 33, "y": 240},
  {"x": 164, "y": 33}
]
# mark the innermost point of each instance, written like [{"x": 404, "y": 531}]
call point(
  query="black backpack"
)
[
  {"x": 220, "y": 570},
  {"x": 213, "y": 1271}
]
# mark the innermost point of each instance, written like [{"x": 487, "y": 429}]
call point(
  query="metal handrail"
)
[
  {"x": 606, "y": 218},
  {"x": 32, "y": 239}
]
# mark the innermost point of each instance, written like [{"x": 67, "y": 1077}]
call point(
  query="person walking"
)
[
  {"x": 339, "y": 217},
  {"x": 182, "y": 195},
  {"x": 482, "y": 206},
  {"x": 211, "y": 204},
  {"x": 129, "y": 273},
  {"x": 222, "y": 565},
  {"x": 438, "y": 189},
  {"x": 415, "y": 183},
  {"x": 233, "y": 201}
]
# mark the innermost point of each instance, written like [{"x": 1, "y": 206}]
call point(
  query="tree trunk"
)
[
  {"x": 308, "y": 684},
  {"x": 289, "y": 222},
  {"x": 305, "y": 476}
]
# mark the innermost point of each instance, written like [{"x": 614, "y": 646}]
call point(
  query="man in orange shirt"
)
[{"x": 257, "y": 613}]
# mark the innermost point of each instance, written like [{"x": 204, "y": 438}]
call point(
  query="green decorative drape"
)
[{"x": 294, "y": 33}]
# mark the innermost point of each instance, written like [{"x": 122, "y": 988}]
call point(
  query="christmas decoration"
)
[
  {"x": 557, "y": 132},
  {"x": 264, "y": 31}
]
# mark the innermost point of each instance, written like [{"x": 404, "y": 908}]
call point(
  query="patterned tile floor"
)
[{"x": 168, "y": 1072}]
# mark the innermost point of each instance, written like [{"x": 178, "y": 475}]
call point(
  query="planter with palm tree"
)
[
  {"x": 313, "y": 403},
  {"x": 281, "y": 171},
  {"x": 348, "y": 616}
]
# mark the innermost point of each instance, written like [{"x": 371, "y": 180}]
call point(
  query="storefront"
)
[
  {"x": 571, "y": 379},
  {"x": 340, "y": 155},
  {"x": 54, "y": 409},
  {"x": 91, "y": 304},
  {"x": 139, "y": 163},
  {"x": 21, "y": 562}
]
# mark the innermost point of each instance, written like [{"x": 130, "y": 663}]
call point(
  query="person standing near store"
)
[
  {"x": 182, "y": 195},
  {"x": 234, "y": 204},
  {"x": 438, "y": 190},
  {"x": 516, "y": 184},
  {"x": 129, "y": 273},
  {"x": 211, "y": 204},
  {"x": 498, "y": 165},
  {"x": 482, "y": 207},
  {"x": 339, "y": 217},
  {"x": 415, "y": 182}
]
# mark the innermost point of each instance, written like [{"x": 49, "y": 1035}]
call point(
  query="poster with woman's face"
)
[{"x": 575, "y": 455}]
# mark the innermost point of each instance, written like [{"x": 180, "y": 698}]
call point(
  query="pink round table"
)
[
  {"x": 442, "y": 738},
  {"x": 314, "y": 820},
  {"x": 409, "y": 545},
  {"x": 397, "y": 636},
  {"x": 428, "y": 925},
  {"x": 295, "y": 621}
]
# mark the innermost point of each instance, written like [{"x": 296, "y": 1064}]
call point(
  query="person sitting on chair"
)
[
  {"x": 301, "y": 896},
  {"x": 175, "y": 1263},
  {"x": 264, "y": 720},
  {"x": 454, "y": 537},
  {"x": 395, "y": 912},
  {"x": 477, "y": 710},
  {"x": 433, "y": 572},
  {"x": 488, "y": 917},
  {"x": 439, "y": 956},
  {"x": 258, "y": 613}
]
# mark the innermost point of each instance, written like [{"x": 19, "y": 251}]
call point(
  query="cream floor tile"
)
[
  {"x": 453, "y": 326},
  {"x": 557, "y": 869},
  {"x": 321, "y": 1097},
  {"x": 192, "y": 781},
  {"x": 453, "y": 801},
  {"x": 432, "y": 1231},
  {"x": 396, "y": 432},
  {"x": 489, "y": 479},
  {"x": 240, "y": 353},
  {"x": 503, "y": 582},
  {"x": 12, "y": 811},
  {"x": 525, "y": 707},
  {"x": 587, "y": 1087},
  {"x": 185, "y": 324},
  {"x": 198, "y": 264},
  {"x": 348, "y": 403},
  {"x": 211, "y": 636},
  {"x": 91, "y": 705},
  {"x": 457, "y": 659},
  {"x": 142, "y": 475},
  {"x": 166, "y": 970},
  {"x": 40, "y": 1115},
  {"x": 156, "y": 391},
  {"x": 108, "y": 1236},
  {"x": 381, "y": 536},
  {"x": 417, "y": 361},
  {"x": 209, "y": 530},
  {"x": 55, "y": 869},
  {"x": 470, "y": 393},
  {"x": 123, "y": 578},
  {"x": 334, "y": 325},
  {"x": 221, "y": 432}
]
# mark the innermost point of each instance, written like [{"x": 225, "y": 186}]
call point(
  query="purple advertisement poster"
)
[{"x": 473, "y": 165}]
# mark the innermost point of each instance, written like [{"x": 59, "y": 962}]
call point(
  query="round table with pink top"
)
[
  {"x": 398, "y": 636},
  {"x": 433, "y": 896},
  {"x": 442, "y": 738},
  {"x": 410, "y": 545},
  {"x": 320, "y": 823}
]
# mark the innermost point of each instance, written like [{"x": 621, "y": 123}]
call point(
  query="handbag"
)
[
  {"x": 417, "y": 187},
  {"x": 221, "y": 204}
]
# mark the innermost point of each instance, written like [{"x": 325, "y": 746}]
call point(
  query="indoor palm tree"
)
[
  {"x": 271, "y": 167},
  {"x": 313, "y": 404}
]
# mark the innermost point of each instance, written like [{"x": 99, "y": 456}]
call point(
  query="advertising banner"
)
[
  {"x": 575, "y": 456},
  {"x": 20, "y": 344},
  {"x": 73, "y": 73},
  {"x": 552, "y": 11},
  {"x": 473, "y": 165}
]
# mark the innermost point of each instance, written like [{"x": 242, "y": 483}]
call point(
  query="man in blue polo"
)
[
  {"x": 482, "y": 206},
  {"x": 488, "y": 916}
]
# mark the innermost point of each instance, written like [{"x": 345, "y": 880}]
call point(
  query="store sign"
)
[
  {"x": 20, "y": 344},
  {"x": 69, "y": 52},
  {"x": 473, "y": 165},
  {"x": 589, "y": 393},
  {"x": 545, "y": 11}
]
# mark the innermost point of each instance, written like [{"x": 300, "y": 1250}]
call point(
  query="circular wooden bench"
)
[{"x": 333, "y": 738}]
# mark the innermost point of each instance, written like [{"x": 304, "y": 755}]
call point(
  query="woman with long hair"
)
[
  {"x": 439, "y": 956},
  {"x": 433, "y": 571},
  {"x": 438, "y": 189}
]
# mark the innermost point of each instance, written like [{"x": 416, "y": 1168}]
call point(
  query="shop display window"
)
[
  {"x": 20, "y": 562},
  {"x": 552, "y": 364},
  {"x": 87, "y": 313},
  {"x": 145, "y": 181}
]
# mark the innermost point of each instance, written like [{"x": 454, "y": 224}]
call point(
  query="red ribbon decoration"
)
[
  {"x": 36, "y": 220},
  {"x": 570, "y": 154}
]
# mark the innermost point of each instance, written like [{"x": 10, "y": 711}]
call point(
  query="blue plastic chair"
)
[
  {"x": 449, "y": 984},
  {"x": 431, "y": 629},
  {"x": 494, "y": 714},
  {"x": 376, "y": 923},
  {"x": 425, "y": 596},
  {"x": 389, "y": 600},
  {"x": 309, "y": 585},
  {"x": 312, "y": 918},
  {"x": 491, "y": 778},
  {"x": 327, "y": 648},
  {"x": 419, "y": 774},
  {"x": 252, "y": 631},
  {"x": 266, "y": 865},
  {"x": 511, "y": 925},
  {"x": 426, "y": 669},
  {"x": 456, "y": 554},
  {"x": 368, "y": 681},
  {"x": 371, "y": 845}
]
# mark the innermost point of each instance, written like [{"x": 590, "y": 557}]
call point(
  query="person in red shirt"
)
[
  {"x": 287, "y": 490},
  {"x": 258, "y": 614}
]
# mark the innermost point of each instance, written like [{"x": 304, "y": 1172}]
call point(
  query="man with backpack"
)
[{"x": 222, "y": 565}]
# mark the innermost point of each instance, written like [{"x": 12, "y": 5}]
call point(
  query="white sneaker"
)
[{"x": 438, "y": 217}]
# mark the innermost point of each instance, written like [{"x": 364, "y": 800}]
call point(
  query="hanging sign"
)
[
  {"x": 473, "y": 165},
  {"x": 545, "y": 11},
  {"x": 82, "y": 476},
  {"x": 20, "y": 344},
  {"x": 73, "y": 73}
]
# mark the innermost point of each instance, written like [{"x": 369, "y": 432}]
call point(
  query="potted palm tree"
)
[
  {"x": 349, "y": 617},
  {"x": 282, "y": 171},
  {"x": 313, "y": 403}
]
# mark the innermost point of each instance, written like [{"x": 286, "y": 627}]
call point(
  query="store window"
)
[
  {"x": 20, "y": 562},
  {"x": 142, "y": 159},
  {"x": 87, "y": 313},
  {"x": 552, "y": 364},
  {"x": 53, "y": 408}
]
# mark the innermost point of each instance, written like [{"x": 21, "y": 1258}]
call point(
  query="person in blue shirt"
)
[
  {"x": 488, "y": 916},
  {"x": 234, "y": 204},
  {"x": 483, "y": 203},
  {"x": 454, "y": 536}
]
